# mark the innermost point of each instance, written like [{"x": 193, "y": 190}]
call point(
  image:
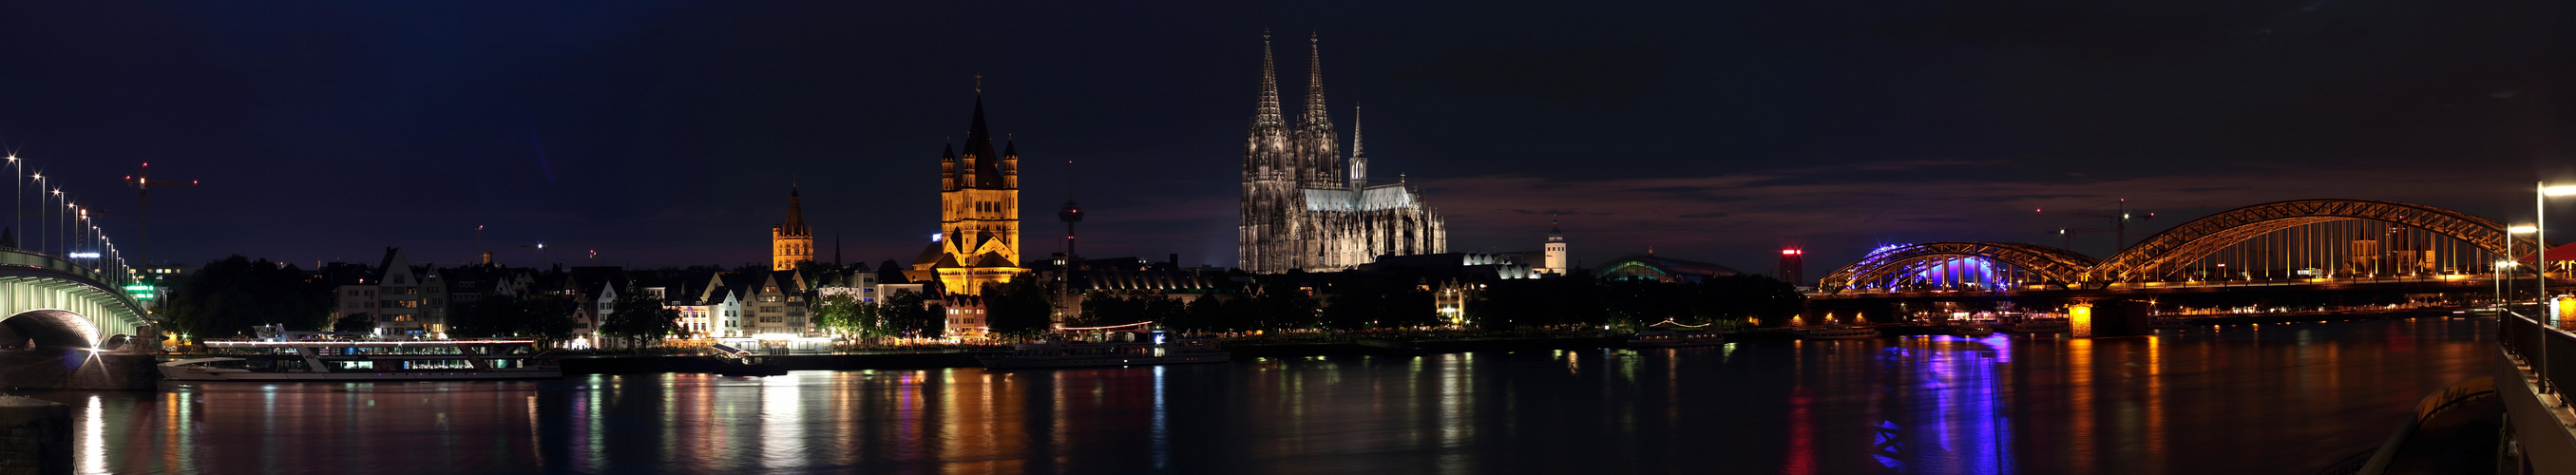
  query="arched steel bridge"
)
[{"x": 2169, "y": 251}]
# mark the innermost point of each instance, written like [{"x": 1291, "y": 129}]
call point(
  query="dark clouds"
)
[{"x": 1708, "y": 130}]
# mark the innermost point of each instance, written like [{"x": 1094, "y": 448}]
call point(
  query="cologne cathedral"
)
[{"x": 1300, "y": 211}]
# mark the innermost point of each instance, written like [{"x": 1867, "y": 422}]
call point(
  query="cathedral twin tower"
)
[{"x": 1300, "y": 211}]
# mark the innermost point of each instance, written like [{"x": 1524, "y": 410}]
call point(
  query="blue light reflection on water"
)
[{"x": 2241, "y": 400}]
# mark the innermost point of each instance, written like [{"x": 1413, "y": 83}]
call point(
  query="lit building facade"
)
[
  {"x": 1793, "y": 267},
  {"x": 791, "y": 242},
  {"x": 1556, "y": 254},
  {"x": 1301, "y": 211},
  {"x": 979, "y": 214}
]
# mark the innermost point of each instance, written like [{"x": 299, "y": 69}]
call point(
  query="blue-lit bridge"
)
[{"x": 2290, "y": 253}]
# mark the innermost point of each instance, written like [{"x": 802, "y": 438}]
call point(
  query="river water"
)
[{"x": 2238, "y": 399}]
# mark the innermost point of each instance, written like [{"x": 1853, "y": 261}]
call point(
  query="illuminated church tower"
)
[
  {"x": 979, "y": 214},
  {"x": 791, "y": 242}
]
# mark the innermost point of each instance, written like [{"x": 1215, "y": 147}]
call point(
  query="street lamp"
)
[
  {"x": 40, "y": 217},
  {"x": 2540, "y": 237},
  {"x": 17, "y": 209},
  {"x": 2500, "y": 266}
]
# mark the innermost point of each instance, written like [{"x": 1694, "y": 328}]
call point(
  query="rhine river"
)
[{"x": 2238, "y": 399}]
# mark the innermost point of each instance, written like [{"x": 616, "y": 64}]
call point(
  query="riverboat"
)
[
  {"x": 1675, "y": 338},
  {"x": 1838, "y": 333},
  {"x": 2035, "y": 325},
  {"x": 1964, "y": 329},
  {"x": 1115, "y": 348},
  {"x": 363, "y": 360}
]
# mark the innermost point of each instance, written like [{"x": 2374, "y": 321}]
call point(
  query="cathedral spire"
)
[
  {"x": 1266, "y": 113},
  {"x": 1359, "y": 159},
  {"x": 1315, "y": 81},
  {"x": 1318, "y": 153}
]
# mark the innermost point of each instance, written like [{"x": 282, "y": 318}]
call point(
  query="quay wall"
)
[{"x": 35, "y": 436}]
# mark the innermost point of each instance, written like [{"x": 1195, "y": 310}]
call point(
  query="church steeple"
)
[
  {"x": 1318, "y": 151},
  {"x": 791, "y": 242},
  {"x": 948, "y": 167},
  {"x": 795, "y": 225},
  {"x": 1359, "y": 160},
  {"x": 1265, "y": 113},
  {"x": 983, "y": 167},
  {"x": 1315, "y": 110}
]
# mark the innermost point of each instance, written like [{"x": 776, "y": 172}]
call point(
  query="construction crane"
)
[
  {"x": 143, "y": 185},
  {"x": 2119, "y": 216}
]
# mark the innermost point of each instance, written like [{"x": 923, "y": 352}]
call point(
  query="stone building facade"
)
[
  {"x": 791, "y": 242},
  {"x": 1301, "y": 210},
  {"x": 979, "y": 215}
]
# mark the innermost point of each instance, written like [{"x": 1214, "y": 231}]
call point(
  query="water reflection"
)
[{"x": 2233, "y": 398}]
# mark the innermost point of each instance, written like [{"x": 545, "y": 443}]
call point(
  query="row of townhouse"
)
[{"x": 418, "y": 301}]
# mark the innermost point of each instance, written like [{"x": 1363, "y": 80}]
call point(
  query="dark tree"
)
[
  {"x": 845, "y": 314},
  {"x": 908, "y": 314},
  {"x": 1206, "y": 314},
  {"x": 229, "y": 296},
  {"x": 1379, "y": 304},
  {"x": 1020, "y": 308},
  {"x": 1736, "y": 298},
  {"x": 1569, "y": 300},
  {"x": 547, "y": 318},
  {"x": 355, "y": 322},
  {"x": 638, "y": 317},
  {"x": 1280, "y": 304},
  {"x": 1102, "y": 309}
]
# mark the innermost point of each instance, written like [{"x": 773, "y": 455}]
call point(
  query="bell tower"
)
[{"x": 791, "y": 242}]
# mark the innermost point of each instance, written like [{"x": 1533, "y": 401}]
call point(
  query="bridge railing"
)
[
  {"x": 27, "y": 258},
  {"x": 2549, "y": 352}
]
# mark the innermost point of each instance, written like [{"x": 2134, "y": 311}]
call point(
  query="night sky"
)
[{"x": 666, "y": 134}]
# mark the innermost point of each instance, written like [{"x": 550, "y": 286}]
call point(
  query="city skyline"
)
[{"x": 670, "y": 143}]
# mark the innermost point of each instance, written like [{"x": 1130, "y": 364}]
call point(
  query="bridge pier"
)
[{"x": 77, "y": 369}]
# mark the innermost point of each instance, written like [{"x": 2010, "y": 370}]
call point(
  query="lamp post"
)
[
  {"x": 40, "y": 216},
  {"x": 2504, "y": 267},
  {"x": 2540, "y": 237},
  {"x": 17, "y": 210}
]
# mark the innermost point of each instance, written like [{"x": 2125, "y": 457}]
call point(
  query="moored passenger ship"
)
[
  {"x": 364, "y": 360},
  {"x": 1117, "y": 348}
]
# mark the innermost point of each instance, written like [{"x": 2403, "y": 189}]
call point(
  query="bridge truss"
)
[{"x": 2325, "y": 236}]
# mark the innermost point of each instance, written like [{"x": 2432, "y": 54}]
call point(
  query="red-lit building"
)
[{"x": 1793, "y": 267}]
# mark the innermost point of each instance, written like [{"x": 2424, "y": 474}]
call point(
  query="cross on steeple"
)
[{"x": 979, "y": 83}]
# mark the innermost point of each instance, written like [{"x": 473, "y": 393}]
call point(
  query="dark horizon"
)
[{"x": 668, "y": 134}]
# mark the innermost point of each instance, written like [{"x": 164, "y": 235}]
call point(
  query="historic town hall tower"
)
[
  {"x": 791, "y": 242},
  {"x": 979, "y": 214}
]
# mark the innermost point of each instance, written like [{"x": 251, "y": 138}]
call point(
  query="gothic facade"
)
[
  {"x": 1301, "y": 209},
  {"x": 979, "y": 215}
]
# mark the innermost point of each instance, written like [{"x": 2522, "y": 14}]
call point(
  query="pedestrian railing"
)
[{"x": 2548, "y": 352}]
